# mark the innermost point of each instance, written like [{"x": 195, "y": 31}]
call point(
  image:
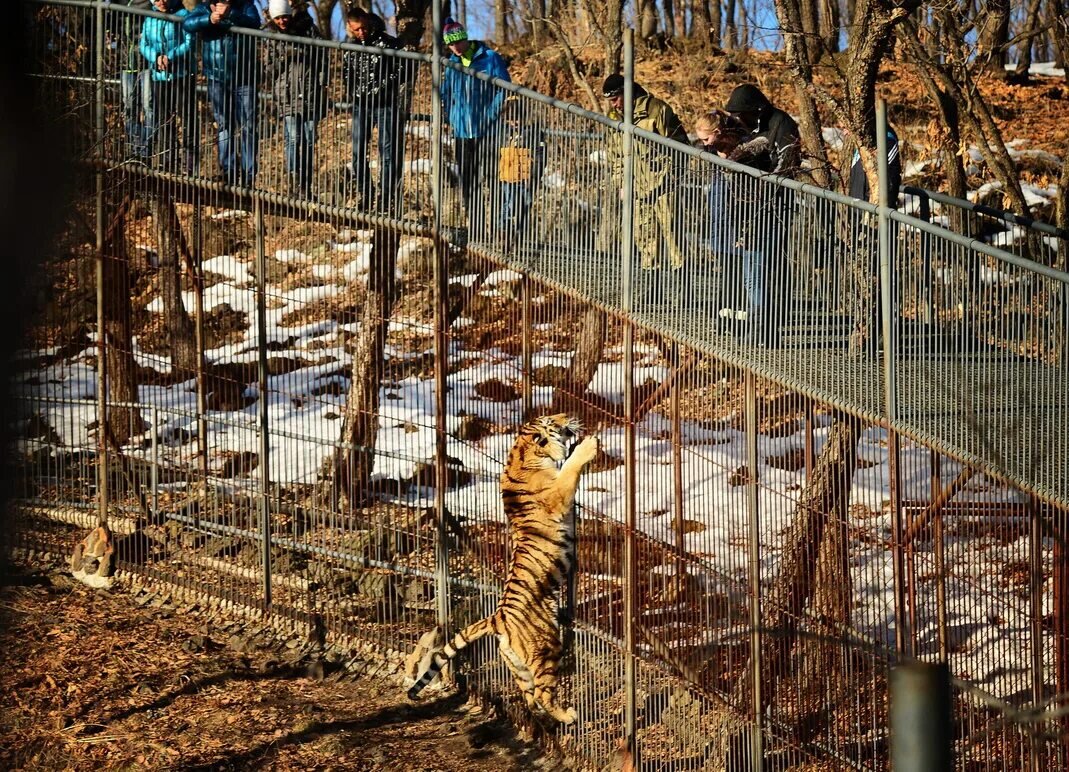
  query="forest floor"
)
[{"x": 96, "y": 681}]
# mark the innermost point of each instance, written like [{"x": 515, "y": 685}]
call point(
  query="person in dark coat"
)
[
  {"x": 772, "y": 145},
  {"x": 230, "y": 66},
  {"x": 373, "y": 84},
  {"x": 298, "y": 76},
  {"x": 858, "y": 186},
  {"x": 521, "y": 162}
]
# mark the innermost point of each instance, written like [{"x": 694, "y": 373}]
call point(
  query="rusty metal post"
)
[
  {"x": 1035, "y": 593},
  {"x": 102, "y": 340},
  {"x": 526, "y": 344},
  {"x": 754, "y": 569},
  {"x": 630, "y": 517},
  {"x": 903, "y": 629},
  {"x": 202, "y": 396},
  {"x": 441, "y": 342},
  {"x": 677, "y": 478},
  {"x": 939, "y": 548},
  {"x": 265, "y": 439}
]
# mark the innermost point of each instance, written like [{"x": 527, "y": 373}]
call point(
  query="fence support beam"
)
[
  {"x": 630, "y": 547},
  {"x": 754, "y": 570},
  {"x": 102, "y": 342},
  {"x": 265, "y": 439},
  {"x": 441, "y": 342},
  {"x": 920, "y": 718}
]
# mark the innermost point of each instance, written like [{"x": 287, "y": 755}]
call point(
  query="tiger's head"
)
[{"x": 550, "y": 436}]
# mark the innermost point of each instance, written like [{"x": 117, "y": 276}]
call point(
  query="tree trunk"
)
[
  {"x": 538, "y": 27},
  {"x": 117, "y": 344},
  {"x": 670, "y": 19},
  {"x": 1058, "y": 14},
  {"x": 829, "y": 25},
  {"x": 1030, "y": 33},
  {"x": 410, "y": 15},
  {"x": 588, "y": 352},
  {"x": 325, "y": 15},
  {"x": 180, "y": 328},
  {"x": 347, "y": 473},
  {"x": 731, "y": 29},
  {"x": 785, "y": 601},
  {"x": 501, "y": 28},
  {"x": 993, "y": 36}
]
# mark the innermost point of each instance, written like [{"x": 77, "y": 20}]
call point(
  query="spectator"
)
[
  {"x": 655, "y": 175},
  {"x": 719, "y": 132},
  {"x": 772, "y": 145},
  {"x": 472, "y": 107},
  {"x": 299, "y": 78},
  {"x": 861, "y": 254},
  {"x": 231, "y": 70},
  {"x": 135, "y": 87},
  {"x": 521, "y": 161},
  {"x": 166, "y": 48},
  {"x": 373, "y": 84},
  {"x": 859, "y": 182}
]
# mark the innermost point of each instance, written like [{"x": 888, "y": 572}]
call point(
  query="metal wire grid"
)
[{"x": 393, "y": 598}]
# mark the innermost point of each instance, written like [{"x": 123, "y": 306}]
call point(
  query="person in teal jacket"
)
[
  {"x": 472, "y": 106},
  {"x": 168, "y": 53},
  {"x": 230, "y": 65}
]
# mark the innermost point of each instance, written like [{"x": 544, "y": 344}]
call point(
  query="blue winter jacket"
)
[
  {"x": 472, "y": 105},
  {"x": 166, "y": 36},
  {"x": 226, "y": 57}
]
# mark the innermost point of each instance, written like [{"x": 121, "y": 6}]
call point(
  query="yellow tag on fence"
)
[{"x": 514, "y": 164}]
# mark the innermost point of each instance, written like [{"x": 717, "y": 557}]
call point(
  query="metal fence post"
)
[
  {"x": 102, "y": 342},
  {"x": 265, "y": 438},
  {"x": 754, "y": 570},
  {"x": 1036, "y": 613},
  {"x": 630, "y": 547},
  {"x": 920, "y": 718},
  {"x": 903, "y": 635},
  {"x": 441, "y": 343}
]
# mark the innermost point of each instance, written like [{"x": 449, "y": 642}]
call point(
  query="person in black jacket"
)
[
  {"x": 373, "y": 83},
  {"x": 298, "y": 75},
  {"x": 772, "y": 145},
  {"x": 859, "y": 183}
]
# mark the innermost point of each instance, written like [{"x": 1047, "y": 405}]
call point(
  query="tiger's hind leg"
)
[
  {"x": 520, "y": 671},
  {"x": 545, "y": 690}
]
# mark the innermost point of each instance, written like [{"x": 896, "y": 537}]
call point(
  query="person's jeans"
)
[
  {"x": 516, "y": 198},
  {"x": 391, "y": 151},
  {"x": 471, "y": 165},
  {"x": 234, "y": 108},
  {"x": 136, "y": 94},
  {"x": 300, "y": 139},
  {"x": 176, "y": 99}
]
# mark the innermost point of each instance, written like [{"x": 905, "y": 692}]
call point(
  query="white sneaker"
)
[{"x": 742, "y": 316}]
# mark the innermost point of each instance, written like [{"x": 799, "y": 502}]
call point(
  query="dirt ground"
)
[{"x": 94, "y": 681}]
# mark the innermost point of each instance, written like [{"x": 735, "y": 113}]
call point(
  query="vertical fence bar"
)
[
  {"x": 154, "y": 470},
  {"x": 754, "y": 520},
  {"x": 890, "y": 356},
  {"x": 939, "y": 548},
  {"x": 441, "y": 343},
  {"x": 630, "y": 546},
  {"x": 265, "y": 439},
  {"x": 102, "y": 344},
  {"x": 921, "y": 738},
  {"x": 1035, "y": 595},
  {"x": 526, "y": 343},
  {"x": 202, "y": 397}
]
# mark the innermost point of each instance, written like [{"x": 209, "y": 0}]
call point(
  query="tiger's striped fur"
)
[{"x": 538, "y": 500}]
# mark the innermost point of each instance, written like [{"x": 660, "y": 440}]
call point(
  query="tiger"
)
[{"x": 538, "y": 498}]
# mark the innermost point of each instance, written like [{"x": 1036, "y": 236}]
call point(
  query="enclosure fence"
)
[{"x": 290, "y": 342}]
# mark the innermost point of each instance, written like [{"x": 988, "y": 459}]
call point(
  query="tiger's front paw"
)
[{"x": 584, "y": 452}]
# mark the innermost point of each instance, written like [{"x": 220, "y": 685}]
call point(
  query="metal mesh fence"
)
[{"x": 291, "y": 387}]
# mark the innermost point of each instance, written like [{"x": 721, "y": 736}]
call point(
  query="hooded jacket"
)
[
  {"x": 373, "y": 76},
  {"x": 774, "y": 145},
  {"x": 653, "y": 162},
  {"x": 298, "y": 73},
  {"x": 228, "y": 58},
  {"x": 166, "y": 36},
  {"x": 859, "y": 183},
  {"x": 472, "y": 105}
]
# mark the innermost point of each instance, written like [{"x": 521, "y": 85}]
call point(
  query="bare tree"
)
[
  {"x": 116, "y": 341},
  {"x": 170, "y": 241}
]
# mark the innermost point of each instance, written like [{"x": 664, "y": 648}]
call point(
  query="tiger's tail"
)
[{"x": 461, "y": 640}]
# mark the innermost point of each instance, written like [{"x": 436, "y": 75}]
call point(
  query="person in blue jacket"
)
[
  {"x": 230, "y": 65},
  {"x": 168, "y": 53},
  {"x": 472, "y": 106}
]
